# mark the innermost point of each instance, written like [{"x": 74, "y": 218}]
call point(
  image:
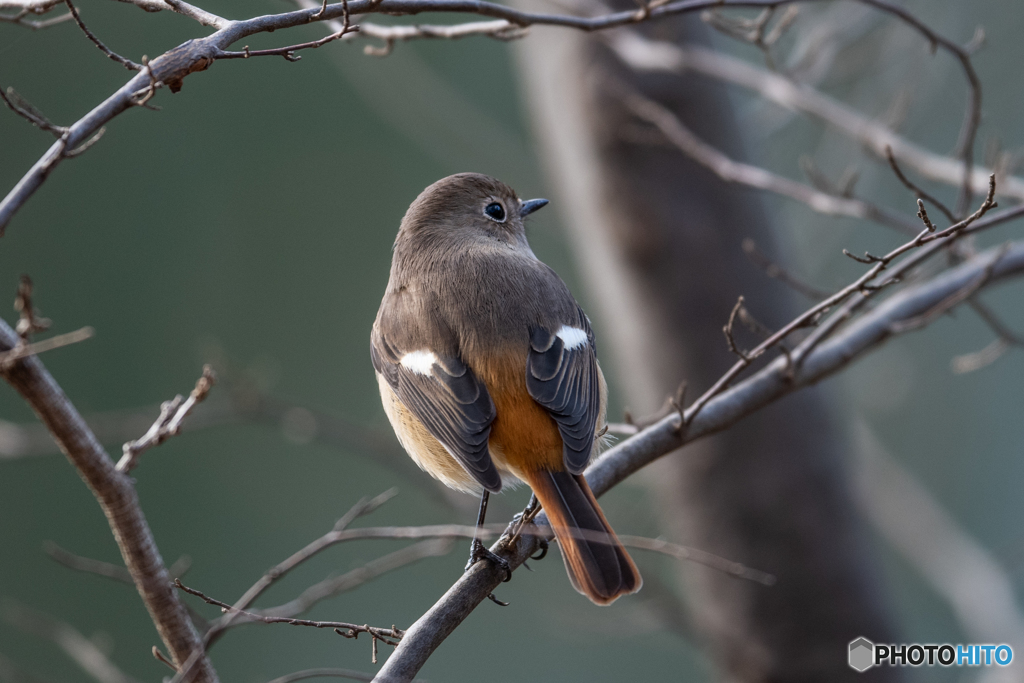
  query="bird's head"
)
[{"x": 471, "y": 208}]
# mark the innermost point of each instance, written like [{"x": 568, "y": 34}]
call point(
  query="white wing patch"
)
[
  {"x": 419, "y": 362},
  {"x": 572, "y": 337}
]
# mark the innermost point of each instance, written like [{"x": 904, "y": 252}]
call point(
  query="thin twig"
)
[
  {"x": 126, "y": 63},
  {"x": 331, "y": 587},
  {"x": 938, "y": 240},
  {"x": 753, "y": 176},
  {"x": 681, "y": 552},
  {"x": 169, "y": 423},
  {"x": 863, "y": 285},
  {"x": 35, "y": 24},
  {"x": 289, "y": 52},
  {"x": 323, "y": 673},
  {"x": 777, "y": 272},
  {"x": 997, "y": 325},
  {"x": 162, "y": 658},
  {"x": 391, "y": 636},
  {"x": 326, "y": 673},
  {"x": 1005, "y": 340},
  {"x": 728, "y": 331},
  {"x": 106, "y": 569},
  {"x": 754, "y": 31},
  {"x": 921, "y": 194},
  {"x": 22, "y": 351},
  {"x": 23, "y": 108},
  {"x": 941, "y": 308}
]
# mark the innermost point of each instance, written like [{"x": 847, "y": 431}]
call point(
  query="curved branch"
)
[
  {"x": 770, "y": 384},
  {"x": 172, "y": 67},
  {"x": 651, "y": 55},
  {"x": 731, "y": 171},
  {"x": 117, "y": 497}
]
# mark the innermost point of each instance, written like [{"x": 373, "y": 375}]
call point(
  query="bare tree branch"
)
[
  {"x": 126, "y": 63},
  {"x": 753, "y": 176},
  {"x": 863, "y": 287},
  {"x": 328, "y": 588},
  {"x": 20, "y": 19},
  {"x": 775, "y": 271},
  {"x": 24, "y": 109},
  {"x": 199, "y": 54},
  {"x": 25, "y": 350},
  {"x": 721, "y": 412},
  {"x": 323, "y": 673},
  {"x": 649, "y": 55},
  {"x": 43, "y": 6},
  {"x": 106, "y": 569},
  {"x": 388, "y": 635},
  {"x": 117, "y": 497},
  {"x": 1005, "y": 340},
  {"x": 921, "y": 194},
  {"x": 168, "y": 424}
]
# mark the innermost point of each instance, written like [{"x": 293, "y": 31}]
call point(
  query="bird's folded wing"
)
[
  {"x": 562, "y": 375},
  {"x": 447, "y": 398}
]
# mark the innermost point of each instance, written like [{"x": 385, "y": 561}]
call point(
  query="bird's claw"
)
[{"x": 478, "y": 552}]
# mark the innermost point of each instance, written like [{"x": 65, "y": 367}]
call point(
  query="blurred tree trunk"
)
[{"x": 658, "y": 243}]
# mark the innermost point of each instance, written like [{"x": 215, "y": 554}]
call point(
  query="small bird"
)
[{"x": 487, "y": 369}]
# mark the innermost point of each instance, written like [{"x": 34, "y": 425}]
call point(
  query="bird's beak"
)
[{"x": 531, "y": 205}]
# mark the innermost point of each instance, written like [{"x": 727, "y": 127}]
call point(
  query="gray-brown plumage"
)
[{"x": 487, "y": 367}]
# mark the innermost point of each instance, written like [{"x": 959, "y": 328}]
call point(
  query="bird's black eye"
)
[{"x": 495, "y": 211}]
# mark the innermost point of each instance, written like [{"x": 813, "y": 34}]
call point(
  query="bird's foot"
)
[
  {"x": 477, "y": 552},
  {"x": 521, "y": 519}
]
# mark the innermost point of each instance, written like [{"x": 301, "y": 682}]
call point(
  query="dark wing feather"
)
[
  {"x": 451, "y": 403},
  {"x": 565, "y": 381}
]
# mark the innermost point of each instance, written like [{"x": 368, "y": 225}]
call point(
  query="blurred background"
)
[{"x": 248, "y": 224}]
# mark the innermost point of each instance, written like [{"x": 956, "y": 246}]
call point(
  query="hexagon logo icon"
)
[{"x": 862, "y": 654}]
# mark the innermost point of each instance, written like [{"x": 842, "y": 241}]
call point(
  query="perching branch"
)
[{"x": 721, "y": 412}]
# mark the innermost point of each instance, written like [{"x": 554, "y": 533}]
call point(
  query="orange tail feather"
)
[{"x": 598, "y": 565}]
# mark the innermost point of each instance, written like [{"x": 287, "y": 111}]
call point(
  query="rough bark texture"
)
[
  {"x": 117, "y": 497},
  {"x": 658, "y": 240}
]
